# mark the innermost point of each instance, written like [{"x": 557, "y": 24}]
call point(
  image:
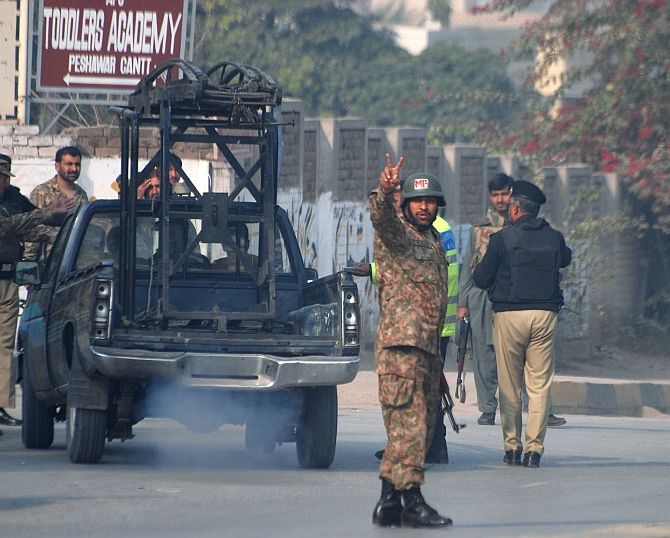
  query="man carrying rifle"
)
[{"x": 412, "y": 275}]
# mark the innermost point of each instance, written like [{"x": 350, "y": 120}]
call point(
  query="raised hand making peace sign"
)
[{"x": 389, "y": 179}]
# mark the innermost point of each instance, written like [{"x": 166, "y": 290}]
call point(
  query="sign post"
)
[{"x": 106, "y": 46}]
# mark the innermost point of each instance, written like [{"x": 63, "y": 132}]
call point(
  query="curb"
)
[{"x": 571, "y": 395}]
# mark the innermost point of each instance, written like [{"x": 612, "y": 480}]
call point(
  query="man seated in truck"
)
[{"x": 242, "y": 260}]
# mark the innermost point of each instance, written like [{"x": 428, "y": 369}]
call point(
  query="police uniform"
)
[
  {"x": 16, "y": 225},
  {"x": 480, "y": 312},
  {"x": 412, "y": 272},
  {"x": 520, "y": 271}
]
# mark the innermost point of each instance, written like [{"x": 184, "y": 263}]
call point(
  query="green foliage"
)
[
  {"x": 619, "y": 50},
  {"x": 338, "y": 64}
]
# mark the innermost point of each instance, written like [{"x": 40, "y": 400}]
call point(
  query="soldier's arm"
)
[{"x": 25, "y": 226}]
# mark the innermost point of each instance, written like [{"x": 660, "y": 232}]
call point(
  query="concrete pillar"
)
[
  {"x": 291, "y": 152},
  {"x": 377, "y": 147},
  {"x": 409, "y": 142},
  {"x": 465, "y": 183}
]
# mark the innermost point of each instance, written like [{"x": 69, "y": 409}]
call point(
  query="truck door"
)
[
  {"x": 33, "y": 328},
  {"x": 70, "y": 310}
]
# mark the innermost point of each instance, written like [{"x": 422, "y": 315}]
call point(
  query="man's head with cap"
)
[
  {"x": 526, "y": 198},
  {"x": 6, "y": 165},
  {"x": 5, "y": 172}
]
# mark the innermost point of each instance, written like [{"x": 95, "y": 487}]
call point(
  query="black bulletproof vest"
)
[
  {"x": 534, "y": 258},
  {"x": 11, "y": 249}
]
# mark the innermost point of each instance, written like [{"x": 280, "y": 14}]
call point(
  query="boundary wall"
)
[{"x": 327, "y": 169}]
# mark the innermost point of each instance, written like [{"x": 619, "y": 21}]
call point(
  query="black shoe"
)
[
  {"x": 416, "y": 513},
  {"x": 487, "y": 419},
  {"x": 388, "y": 509},
  {"x": 512, "y": 457},
  {"x": 7, "y": 420},
  {"x": 0, "y": 433},
  {"x": 531, "y": 460},
  {"x": 438, "y": 453},
  {"x": 379, "y": 454},
  {"x": 554, "y": 422}
]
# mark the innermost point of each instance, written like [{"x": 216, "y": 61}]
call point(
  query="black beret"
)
[{"x": 528, "y": 190}]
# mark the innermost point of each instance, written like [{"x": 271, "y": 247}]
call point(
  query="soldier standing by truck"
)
[
  {"x": 437, "y": 451},
  {"x": 18, "y": 221},
  {"x": 413, "y": 291},
  {"x": 62, "y": 185}
]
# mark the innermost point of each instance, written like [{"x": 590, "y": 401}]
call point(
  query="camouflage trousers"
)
[
  {"x": 9, "y": 312},
  {"x": 408, "y": 398}
]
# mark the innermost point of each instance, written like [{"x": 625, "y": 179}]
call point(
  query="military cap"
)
[
  {"x": 6, "y": 165},
  {"x": 529, "y": 191}
]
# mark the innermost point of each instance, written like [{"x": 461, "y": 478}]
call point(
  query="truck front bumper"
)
[{"x": 229, "y": 371}]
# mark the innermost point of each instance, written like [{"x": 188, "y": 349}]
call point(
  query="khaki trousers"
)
[
  {"x": 9, "y": 313},
  {"x": 524, "y": 345}
]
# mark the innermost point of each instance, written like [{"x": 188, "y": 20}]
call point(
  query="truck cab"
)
[{"x": 191, "y": 305}]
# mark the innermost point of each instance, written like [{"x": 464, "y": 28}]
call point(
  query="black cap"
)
[
  {"x": 5, "y": 165},
  {"x": 528, "y": 190}
]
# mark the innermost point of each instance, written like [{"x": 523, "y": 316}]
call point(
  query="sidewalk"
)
[{"x": 571, "y": 395}]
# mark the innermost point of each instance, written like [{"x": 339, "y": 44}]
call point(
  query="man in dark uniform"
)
[
  {"x": 520, "y": 271},
  {"x": 412, "y": 274},
  {"x": 12, "y": 204}
]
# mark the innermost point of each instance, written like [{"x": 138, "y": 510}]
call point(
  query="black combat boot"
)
[
  {"x": 388, "y": 509},
  {"x": 416, "y": 513}
]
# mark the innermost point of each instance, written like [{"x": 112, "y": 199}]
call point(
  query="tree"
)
[
  {"x": 621, "y": 52},
  {"x": 338, "y": 64},
  {"x": 620, "y": 123}
]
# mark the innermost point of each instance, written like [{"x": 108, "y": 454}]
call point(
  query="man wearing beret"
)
[
  {"x": 19, "y": 221},
  {"x": 520, "y": 272}
]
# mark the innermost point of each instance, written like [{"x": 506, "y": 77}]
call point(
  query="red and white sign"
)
[
  {"x": 106, "y": 45},
  {"x": 421, "y": 184}
]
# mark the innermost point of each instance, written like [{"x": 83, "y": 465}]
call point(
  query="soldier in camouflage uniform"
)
[
  {"x": 412, "y": 275},
  {"x": 62, "y": 185},
  {"x": 19, "y": 221},
  {"x": 473, "y": 302}
]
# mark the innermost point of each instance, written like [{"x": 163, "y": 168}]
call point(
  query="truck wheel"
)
[
  {"x": 85, "y": 434},
  {"x": 260, "y": 437},
  {"x": 317, "y": 428},
  {"x": 37, "y": 430}
]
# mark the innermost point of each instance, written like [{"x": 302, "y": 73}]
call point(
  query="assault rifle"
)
[
  {"x": 464, "y": 332},
  {"x": 448, "y": 404}
]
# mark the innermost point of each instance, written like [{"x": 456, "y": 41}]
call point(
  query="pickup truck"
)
[{"x": 197, "y": 306}]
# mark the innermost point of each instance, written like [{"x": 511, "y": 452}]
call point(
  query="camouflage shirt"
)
[
  {"x": 412, "y": 272},
  {"x": 469, "y": 295},
  {"x": 482, "y": 232},
  {"x": 27, "y": 226},
  {"x": 42, "y": 196},
  {"x": 45, "y": 193}
]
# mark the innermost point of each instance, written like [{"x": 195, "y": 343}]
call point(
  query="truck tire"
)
[
  {"x": 37, "y": 430},
  {"x": 317, "y": 428},
  {"x": 85, "y": 434},
  {"x": 260, "y": 437}
]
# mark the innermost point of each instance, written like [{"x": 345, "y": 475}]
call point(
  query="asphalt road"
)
[{"x": 600, "y": 476}]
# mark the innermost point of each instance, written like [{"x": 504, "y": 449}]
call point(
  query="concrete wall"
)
[{"x": 329, "y": 166}]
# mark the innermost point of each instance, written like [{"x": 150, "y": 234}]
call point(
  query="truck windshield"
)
[{"x": 236, "y": 252}]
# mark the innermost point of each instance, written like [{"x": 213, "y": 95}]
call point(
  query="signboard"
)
[{"x": 106, "y": 45}]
